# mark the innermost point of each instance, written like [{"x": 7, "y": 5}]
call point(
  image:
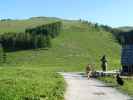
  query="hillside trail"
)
[{"x": 80, "y": 88}]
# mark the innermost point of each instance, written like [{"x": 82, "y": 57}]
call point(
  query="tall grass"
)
[{"x": 30, "y": 84}]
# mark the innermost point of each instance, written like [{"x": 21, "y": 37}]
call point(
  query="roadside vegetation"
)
[
  {"x": 30, "y": 84},
  {"x": 126, "y": 88}
]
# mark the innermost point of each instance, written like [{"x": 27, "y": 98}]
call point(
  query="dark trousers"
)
[{"x": 104, "y": 66}]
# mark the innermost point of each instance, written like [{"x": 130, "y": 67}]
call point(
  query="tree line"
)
[
  {"x": 32, "y": 38},
  {"x": 121, "y": 37}
]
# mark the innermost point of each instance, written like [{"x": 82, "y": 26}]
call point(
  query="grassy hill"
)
[
  {"x": 125, "y": 28},
  {"x": 20, "y": 25},
  {"x": 77, "y": 45}
]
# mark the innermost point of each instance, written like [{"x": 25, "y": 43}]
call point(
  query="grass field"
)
[
  {"x": 21, "y": 25},
  {"x": 77, "y": 45},
  {"x": 30, "y": 84}
]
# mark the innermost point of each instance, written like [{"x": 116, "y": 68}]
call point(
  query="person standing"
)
[
  {"x": 104, "y": 63},
  {"x": 89, "y": 70}
]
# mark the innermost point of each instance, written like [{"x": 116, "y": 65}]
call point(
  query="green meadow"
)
[
  {"x": 33, "y": 74},
  {"x": 30, "y": 84}
]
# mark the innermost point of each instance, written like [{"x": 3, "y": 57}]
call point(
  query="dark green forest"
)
[{"x": 32, "y": 38}]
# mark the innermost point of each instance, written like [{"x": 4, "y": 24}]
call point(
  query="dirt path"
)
[{"x": 80, "y": 88}]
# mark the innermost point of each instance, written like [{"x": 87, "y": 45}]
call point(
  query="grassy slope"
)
[
  {"x": 126, "y": 28},
  {"x": 76, "y": 46},
  {"x": 20, "y": 25}
]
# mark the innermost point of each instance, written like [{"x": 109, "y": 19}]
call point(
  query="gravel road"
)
[{"x": 80, "y": 88}]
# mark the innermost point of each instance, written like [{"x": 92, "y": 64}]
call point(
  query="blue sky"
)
[{"x": 111, "y": 12}]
